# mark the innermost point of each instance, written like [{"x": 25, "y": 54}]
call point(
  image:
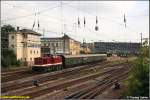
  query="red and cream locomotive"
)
[{"x": 47, "y": 62}]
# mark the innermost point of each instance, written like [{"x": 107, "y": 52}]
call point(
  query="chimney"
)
[{"x": 17, "y": 28}]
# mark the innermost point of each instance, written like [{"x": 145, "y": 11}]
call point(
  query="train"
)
[{"x": 59, "y": 62}]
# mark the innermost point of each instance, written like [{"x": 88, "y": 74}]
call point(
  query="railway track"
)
[
  {"x": 40, "y": 92},
  {"x": 10, "y": 85},
  {"x": 92, "y": 92},
  {"x": 80, "y": 92},
  {"x": 14, "y": 71},
  {"x": 73, "y": 76},
  {"x": 50, "y": 77},
  {"x": 10, "y": 76},
  {"x": 53, "y": 87},
  {"x": 18, "y": 73}
]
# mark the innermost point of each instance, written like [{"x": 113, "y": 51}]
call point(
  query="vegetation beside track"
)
[{"x": 138, "y": 81}]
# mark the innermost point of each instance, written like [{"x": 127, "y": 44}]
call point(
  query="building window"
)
[
  {"x": 25, "y": 59},
  {"x": 12, "y": 37},
  {"x": 31, "y": 51},
  {"x": 52, "y": 44},
  {"x": 34, "y": 52},
  {"x": 25, "y": 35},
  {"x": 56, "y": 44},
  {"x": 25, "y": 44},
  {"x": 12, "y": 46},
  {"x": 20, "y": 58},
  {"x": 37, "y": 52},
  {"x": 31, "y": 59}
]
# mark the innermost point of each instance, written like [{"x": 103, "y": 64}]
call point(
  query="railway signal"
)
[
  {"x": 84, "y": 22},
  {"x": 78, "y": 22},
  {"x": 96, "y": 27},
  {"x": 125, "y": 20}
]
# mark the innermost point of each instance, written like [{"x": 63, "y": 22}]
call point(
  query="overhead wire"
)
[
  {"x": 68, "y": 5},
  {"x": 32, "y": 14},
  {"x": 93, "y": 15},
  {"x": 111, "y": 20},
  {"x": 34, "y": 29}
]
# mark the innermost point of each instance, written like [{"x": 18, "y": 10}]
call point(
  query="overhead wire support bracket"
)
[
  {"x": 125, "y": 20},
  {"x": 84, "y": 22},
  {"x": 34, "y": 21},
  {"x": 38, "y": 20}
]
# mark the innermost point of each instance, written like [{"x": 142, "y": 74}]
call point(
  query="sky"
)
[{"x": 56, "y": 17}]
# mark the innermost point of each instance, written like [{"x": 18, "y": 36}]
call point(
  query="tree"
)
[
  {"x": 138, "y": 81},
  {"x": 8, "y": 56},
  {"x": 4, "y": 35}
]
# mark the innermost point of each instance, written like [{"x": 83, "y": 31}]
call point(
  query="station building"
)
[
  {"x": 116, "y": 47},
  {"x": 60, "y": 45},
  {"x": 26, "y": 45}
]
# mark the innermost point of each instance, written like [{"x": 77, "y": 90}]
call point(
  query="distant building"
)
[
  {"x": 26, "y": 45},
  {"x": 116, "y": 47},
  {"x": 87, "y": 48},
  {"x": 60, "y": 45}
]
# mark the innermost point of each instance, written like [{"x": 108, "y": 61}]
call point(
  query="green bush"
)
[
  {"x": 9, "y": 59},
  {"x": 18, "y": 63},
  {"x": 138, "y": 82}
]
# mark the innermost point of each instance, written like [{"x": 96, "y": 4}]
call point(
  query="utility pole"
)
[
  {"x": 43, "y": 32},
  {"x": 141, "y": 39},
  {"x": 63, "y": 37},
  {"x": 64, "y": 44},
  {"x": 141, "y": 47}
]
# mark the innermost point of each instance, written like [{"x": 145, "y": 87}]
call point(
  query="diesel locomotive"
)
[{"x": 59, "y": 62}]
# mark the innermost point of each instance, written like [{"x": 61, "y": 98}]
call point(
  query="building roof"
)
[
  {"x": 119, "y": 42},
  {"x": 63, "y": 37},
  {"x": 28, "y": 31}
]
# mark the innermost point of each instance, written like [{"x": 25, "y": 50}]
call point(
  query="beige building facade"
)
[
  {"x": 26, "y": 45},
  {"x": 60, "y": 45}
]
